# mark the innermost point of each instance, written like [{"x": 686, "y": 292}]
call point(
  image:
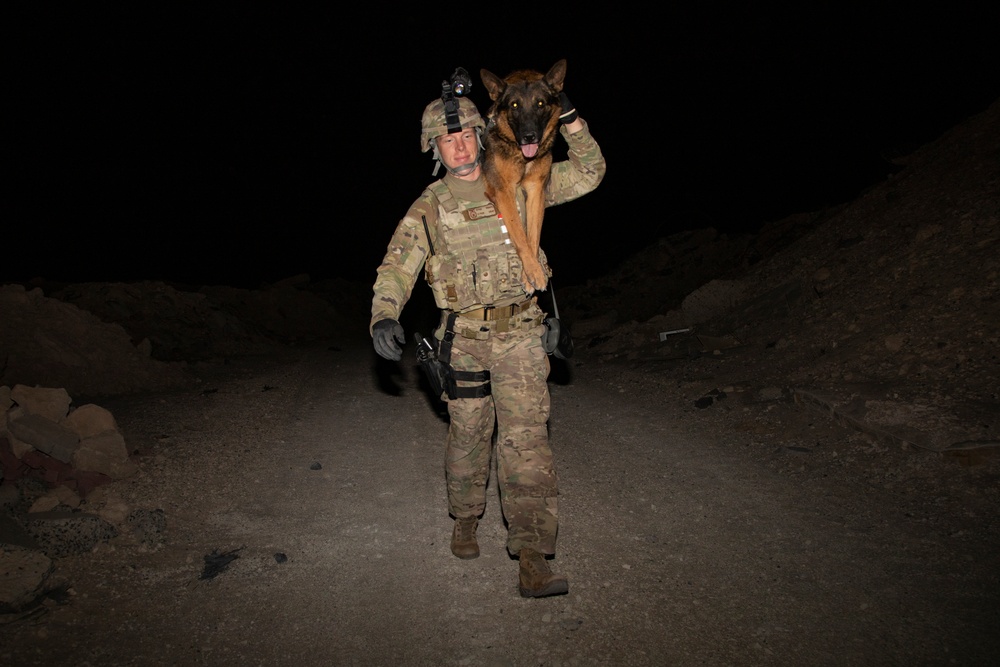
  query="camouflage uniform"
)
[{"x": 473, "y": 266}]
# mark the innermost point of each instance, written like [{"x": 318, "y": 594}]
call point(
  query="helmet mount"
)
[
  {"x": 452, "y": 111},
  {"x": 459, "y": 85}
]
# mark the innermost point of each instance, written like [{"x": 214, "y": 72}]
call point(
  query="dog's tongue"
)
[{"x": 529, "y": 150}]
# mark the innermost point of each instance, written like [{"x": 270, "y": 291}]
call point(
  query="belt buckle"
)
[
  {"x": 475, "y": 313},
  {"x": 494, "y": 313}
]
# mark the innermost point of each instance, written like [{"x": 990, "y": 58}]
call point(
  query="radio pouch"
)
[{"x": 557, "y": 339}]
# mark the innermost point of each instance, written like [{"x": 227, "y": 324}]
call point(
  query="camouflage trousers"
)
[{"x": 518, "y": 409}]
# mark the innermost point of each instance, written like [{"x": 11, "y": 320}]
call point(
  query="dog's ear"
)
[
  {"x": 493, "y": 83},
  {"x": 557, "y": 75}
]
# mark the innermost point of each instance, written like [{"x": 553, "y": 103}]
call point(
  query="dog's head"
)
[{"x": 526, "y": 106}]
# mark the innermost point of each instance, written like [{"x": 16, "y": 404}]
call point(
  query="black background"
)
[{"x": 241, "y": 145}]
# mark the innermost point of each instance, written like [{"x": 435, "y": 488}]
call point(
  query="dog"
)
[{"x": 521, "y": 128}]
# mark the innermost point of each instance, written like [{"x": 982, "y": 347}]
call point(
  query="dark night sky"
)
[{"x": 240, "y": 146}]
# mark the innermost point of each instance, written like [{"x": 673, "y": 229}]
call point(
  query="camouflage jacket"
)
[{"x": 408, "y": 249}]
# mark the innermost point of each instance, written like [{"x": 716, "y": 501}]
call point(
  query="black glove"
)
[
  {"x": 568, "y": 114},
  {"x": 385, "y": 335}
]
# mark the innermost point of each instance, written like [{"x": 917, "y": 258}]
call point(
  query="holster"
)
[
  {"x": 436, "y": 372},
  {"x": 435, "y": 359}
]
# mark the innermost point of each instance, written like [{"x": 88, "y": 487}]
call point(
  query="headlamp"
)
[{"x": 459, "y": 85}]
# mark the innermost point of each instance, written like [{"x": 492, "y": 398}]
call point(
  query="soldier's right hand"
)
[{"x": 386, "y": 336}]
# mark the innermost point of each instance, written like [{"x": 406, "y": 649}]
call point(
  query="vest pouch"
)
[
  {"x": 498, "y": 276},
  {"x": 452, "y": 287},
  {"x": 486, "y": 275},
  {"x": 435, "y": 272},
  {"x": 509, "y": 274}
]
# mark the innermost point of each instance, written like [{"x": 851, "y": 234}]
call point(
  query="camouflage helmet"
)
[{"x": 434, "y": 124}]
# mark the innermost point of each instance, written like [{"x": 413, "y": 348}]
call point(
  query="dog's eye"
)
[
  {"x": 514, "y": 105},
  {"x": 541, "y": 103}
]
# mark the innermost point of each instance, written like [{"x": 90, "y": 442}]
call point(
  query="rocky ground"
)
[{"x": 848, "y": 354}]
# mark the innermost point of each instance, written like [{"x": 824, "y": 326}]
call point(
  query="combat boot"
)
[
  {"x": 536, "y": 579},
  {"x": 463, "y": 538}
]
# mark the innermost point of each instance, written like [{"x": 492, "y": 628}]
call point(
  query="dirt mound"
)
[
  {"x": 892, "y": 299},
  {"x": 106, "y": 339}
]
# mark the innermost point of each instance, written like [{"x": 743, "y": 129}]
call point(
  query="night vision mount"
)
[{"x": 459, "y": 85}]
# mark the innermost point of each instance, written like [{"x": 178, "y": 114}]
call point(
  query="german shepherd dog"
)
[{"x": 521, "y": 129}]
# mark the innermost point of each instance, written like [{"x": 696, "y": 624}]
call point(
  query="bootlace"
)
[
  {"x": 466, "y": 529},
  {"x": 535, "y": 563}
]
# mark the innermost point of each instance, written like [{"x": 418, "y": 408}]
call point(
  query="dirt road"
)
[{"x": 751, "y": 532}]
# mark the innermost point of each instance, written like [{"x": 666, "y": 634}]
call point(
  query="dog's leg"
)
[
  {"x": 504, "y": 199},
  {"x": 535, "y": 179},
  {"x": 533, "y": 277}
]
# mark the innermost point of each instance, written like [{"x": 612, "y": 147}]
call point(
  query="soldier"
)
[{"x": 490, "y": 332}]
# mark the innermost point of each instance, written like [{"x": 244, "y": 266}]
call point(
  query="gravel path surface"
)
[{"x": 752, "y": 532}]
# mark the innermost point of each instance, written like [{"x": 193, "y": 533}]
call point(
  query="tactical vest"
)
[{"x": 473, "y": 263}]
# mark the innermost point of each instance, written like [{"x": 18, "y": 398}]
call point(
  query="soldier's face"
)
[{"x": 458, "y": 148}]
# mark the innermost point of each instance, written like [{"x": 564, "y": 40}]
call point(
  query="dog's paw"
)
[{"x": 534, "y": 281}]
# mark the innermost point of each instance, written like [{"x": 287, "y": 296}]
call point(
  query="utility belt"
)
[
  {"x": 480, "y": 323},
  {"x": 495, "y": 313}
]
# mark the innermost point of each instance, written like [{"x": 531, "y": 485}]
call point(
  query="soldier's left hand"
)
[{"x": 568, "y": 114}]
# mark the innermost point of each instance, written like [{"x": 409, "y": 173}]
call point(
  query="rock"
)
[
  {"x": 108, "y": 505},
  {"x": 5, "y": 402},
  {"x": 43, "y": 434},
  {"x": 148, "y": 526},
  {"x": 24, "y": 574},
  {"x": 51, "y": 403},
  {"x": 60, "y": 495},
  {"x": 61, "y": 534},
  {"x": 105, "y": 453},
  {"x": 90, "y": 420},
  {"x": 82, "y": 448}
]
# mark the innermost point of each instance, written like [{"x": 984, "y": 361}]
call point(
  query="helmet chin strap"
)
[{"x": 465, "y": 168}]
